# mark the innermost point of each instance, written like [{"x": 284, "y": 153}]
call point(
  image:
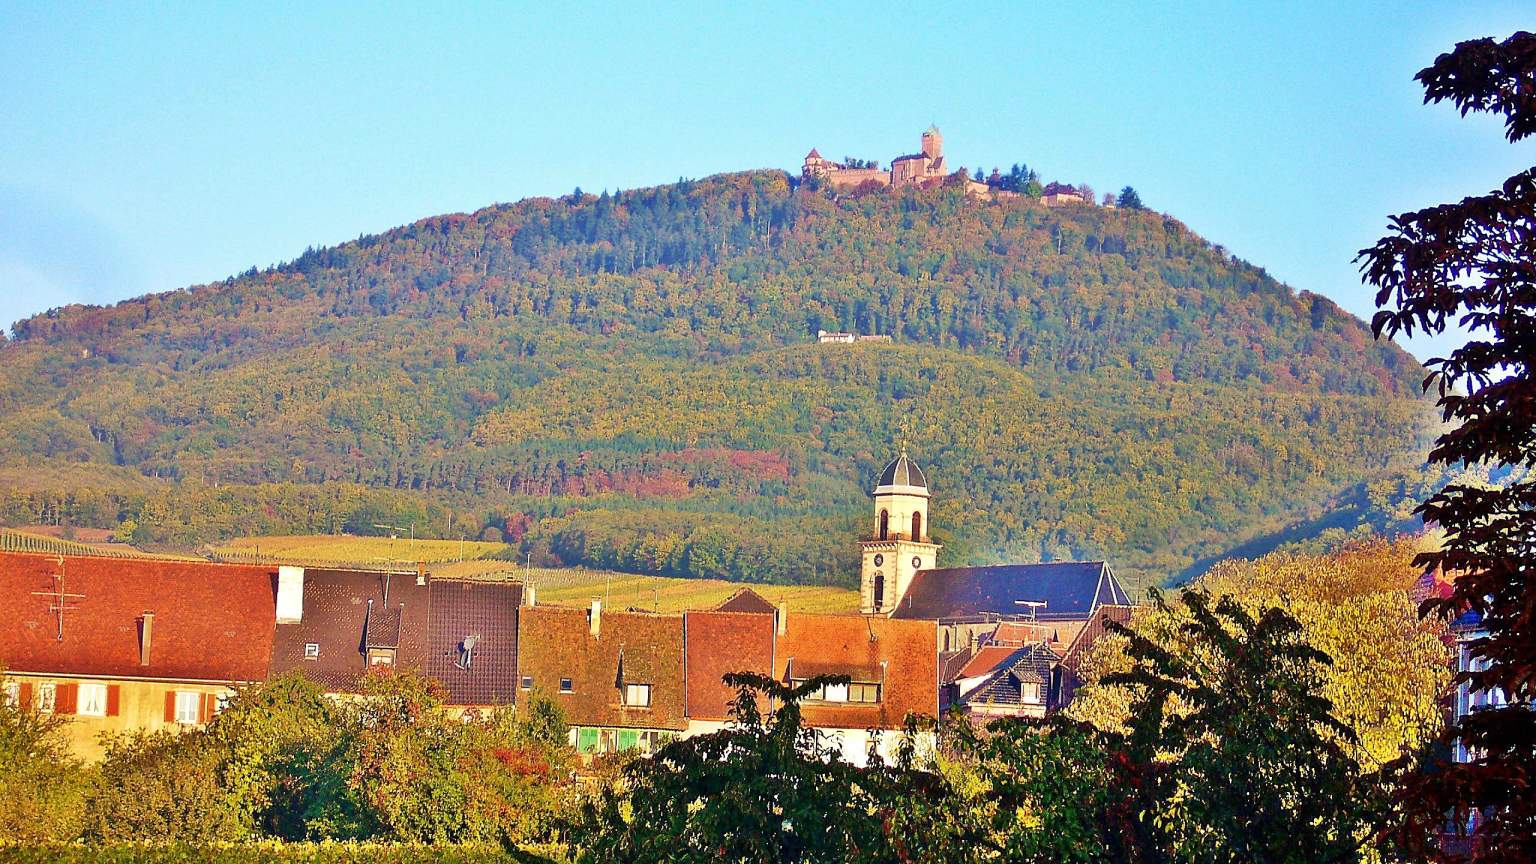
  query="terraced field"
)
[{"x": 363, "y": 551}]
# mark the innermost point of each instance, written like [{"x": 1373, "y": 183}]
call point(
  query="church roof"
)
[
  {"x": 813, "y": 154},
  {"x": 1070, "y": 590},
  {"x": 902, "y": 471}
]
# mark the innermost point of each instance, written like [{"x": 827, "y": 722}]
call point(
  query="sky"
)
[{"x": 146, "y": 147}]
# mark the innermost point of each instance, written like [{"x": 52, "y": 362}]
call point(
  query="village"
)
[{"x": 140, "y": 644}]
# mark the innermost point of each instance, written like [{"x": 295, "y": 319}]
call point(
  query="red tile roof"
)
[
  {"x": 631, "y": 647},
  {"x": 746, "y": 600},
  {"x": 905, "y": 652},
  {"x": 721, "y": 642},
  {"x": 212, "y": 622}
]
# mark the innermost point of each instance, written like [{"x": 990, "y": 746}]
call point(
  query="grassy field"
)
[
  {"x": 576, "y": 586},
  {"x": 358, "y": 550}
]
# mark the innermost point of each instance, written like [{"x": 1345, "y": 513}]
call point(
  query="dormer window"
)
[
  {"x": 311, "y": 650},
  {"x": 637, "y": 695},
  {"x": 566, "y": 686},
  {"x": 381, "y": 656}
]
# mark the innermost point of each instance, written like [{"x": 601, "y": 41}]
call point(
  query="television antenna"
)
[
  {"x": 1034, "y": 607},
  {"x": 60, "y": 598}
]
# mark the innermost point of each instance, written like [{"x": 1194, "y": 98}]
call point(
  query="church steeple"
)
[{"x": 898, "y": 546}]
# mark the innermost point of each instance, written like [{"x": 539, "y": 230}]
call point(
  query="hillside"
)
[{"x": 626, "y": 381}]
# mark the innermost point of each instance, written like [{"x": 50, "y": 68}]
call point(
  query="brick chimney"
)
[
  {"x": 781, "y": 618},
  {"x": 146, "y": 630}
]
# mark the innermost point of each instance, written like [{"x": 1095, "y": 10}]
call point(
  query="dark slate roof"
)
[
  {"x": 488, "y": 612},
  {"x": 746, "y": 600},
  {"x": 902, "y": 471},
  {"x": 1070, "y": 590},
  {"x": 1031, "y": 664},
  {"x": 336, "y": 616}
]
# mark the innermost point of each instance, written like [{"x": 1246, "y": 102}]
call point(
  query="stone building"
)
[{"x": 923, "y": 169}]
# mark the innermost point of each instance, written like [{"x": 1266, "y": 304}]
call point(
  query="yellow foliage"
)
[{"x": 1389, "y": 668}]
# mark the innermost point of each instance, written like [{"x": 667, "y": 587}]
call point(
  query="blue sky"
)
[{"x": 147, "y": 147}]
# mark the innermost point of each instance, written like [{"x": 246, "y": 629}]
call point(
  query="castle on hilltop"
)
[{"x": 923, "y": 169}]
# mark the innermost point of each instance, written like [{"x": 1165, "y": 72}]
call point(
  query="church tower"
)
[{"x": 899, "y": 545}]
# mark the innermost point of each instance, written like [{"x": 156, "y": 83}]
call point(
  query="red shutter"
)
[
  {"x": 205, "y": 708},
  {"x": 24, "y": 695},
  {"x": 67, "y": 698},
  {"x": 170, "y": 706},
  {"x": 114, "y": 698}
]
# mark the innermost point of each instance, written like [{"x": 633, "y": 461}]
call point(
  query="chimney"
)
[
  {"x": 595, "y": 619},
  {"x": 421, "y": 572},
  {"x": 530, "y": 595},
  {"x": 146, "y": 630},
  {"x": 781, "y": 618},
  {"x": 290, "y": 594}
]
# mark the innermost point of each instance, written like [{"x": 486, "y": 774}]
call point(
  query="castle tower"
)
[
  {"x": 933, "y": 143},
  {"x": 899, "y": 545}
]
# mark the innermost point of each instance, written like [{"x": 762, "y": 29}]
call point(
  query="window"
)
[
  {"x": 13, "y": 694},
  {"x": 188, "y": 705},
  {"x": 381, "y": 656},
  {"x": 566, "y": 686},
  {"x": 863, "y": 692},
  {"x": 47, "y": 692},
  {"x": 879, "y": 591},
  {"x": 885, "y": 524},
  {"x": 917, "y": 526},
  {"x": 637, "y": 695},
  {"x": 93, "y": 700},
  {"x": 221, "y": 701},
  {"x": 1029, "y": 692},
  {"x": 527, "y": 682},
  {"x": 586, "y": 739},
  {"x": 311, "y": 650}
]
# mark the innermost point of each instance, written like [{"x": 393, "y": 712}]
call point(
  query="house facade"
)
[{"x": 125, "y": 644}]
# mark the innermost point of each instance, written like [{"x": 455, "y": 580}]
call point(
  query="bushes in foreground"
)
[{"x": 285, "y": 762}]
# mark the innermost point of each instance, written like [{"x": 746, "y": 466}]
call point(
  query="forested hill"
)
[{"x": 628, "y": 380}]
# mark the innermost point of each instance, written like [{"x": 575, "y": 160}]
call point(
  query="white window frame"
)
[
  {"x": 92, "y": 699},
  {"x": 189, "y": 707},
  {"x": 567, "y": 685},
  {"x": 311, "y": 650},
  {"x": 526, "y": 683},
  {"x": 47, "y": 697},
  {"x": 637, "y": 695},
  {"x": 12, "y": 694}
]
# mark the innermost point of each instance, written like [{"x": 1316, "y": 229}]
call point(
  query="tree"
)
[
  {"x": 1389, "y": 668},
  {"x": 42, "y": 787},
  {"x": 1474, "y": 262},
  {"x": 1230, "y": 753},
  {"x": 162, "y": 786},
  {"x": 765, "y": 789},
  {"x": 1129, "y": 200}
]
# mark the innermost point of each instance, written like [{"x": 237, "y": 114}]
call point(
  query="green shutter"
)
[
  {"x": 629, "y": 739},
  {"x": 586, "y": 739}
]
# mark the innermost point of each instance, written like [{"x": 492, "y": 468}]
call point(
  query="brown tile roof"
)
[
  {"x": 721, "y": 642},
  {"x": 212, "y": 622},
  {"x": 336, "y": 610},
  {"x": 746, "y": 600},
  {"x": 631, "y": 647},
  {"x": 1091, "y": 632},
  {"x": 906, "y": 652},
  {"x": 486, "y": 611}
]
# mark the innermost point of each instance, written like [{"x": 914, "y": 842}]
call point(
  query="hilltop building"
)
[{"x": 923, "y": 169}]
